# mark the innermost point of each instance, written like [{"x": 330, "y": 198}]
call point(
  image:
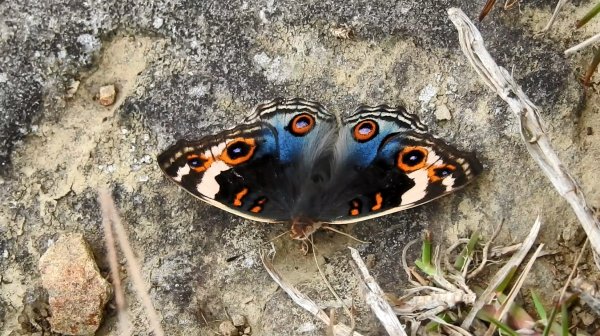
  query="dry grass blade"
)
[
  {"x": 536, "y": 142},
  {"x": 515, "y": 290},
  {"x": 455, "y": 329},
  {"x": 109, "y": 210},
  {"x": 587, "y": 78},
  {"x": 592, "y": 40},
  {"x": 486, "y": 9},
  {"x": 512, "y": 263},
  {"x": 375, "y": 298},
  {"x": 111, "y": 248},
  {"x": 304, "y": 301},
  {"x": 557, "y": 9}
]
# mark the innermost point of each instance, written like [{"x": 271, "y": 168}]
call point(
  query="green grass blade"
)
[
  {"x": 467, "y": 252},
  {"x": 501, "y": 326},
  {"x": 502, "y": 286},
  {"x": 539, "y": 307},
  {"x": 564, "y": 318},
  {"x": 424, "y": 264},
  {"x": 588, "y": 16}
]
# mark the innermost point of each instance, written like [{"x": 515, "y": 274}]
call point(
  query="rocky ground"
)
[{"x": 186, "y": 68}]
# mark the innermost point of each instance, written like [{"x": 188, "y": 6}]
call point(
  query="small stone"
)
[
  {"x": 343, "y": 32},
  {"x": 158, "y": 22},
  {"x": 586, "y": 318},
  {"x": 443, "y": 113},
  {"x": 226, "y": 328},
  {"x": 371, "y": 260},
  {"x": 247, "y": 331},
  {"x": 427, "y": 93},
  {"x": 146, "y": 159},
  {"x": 72, "y": 88},
  {"x": 107, "y": 95},
  {"x": 238, "y": 320},
  {"x": 77, "y": 292}
]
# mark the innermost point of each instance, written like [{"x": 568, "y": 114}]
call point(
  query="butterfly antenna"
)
[
  {"x": 270, "y": 241},
  {"x": 327, "y": 227},
  {"x": 346, "y": 309}
]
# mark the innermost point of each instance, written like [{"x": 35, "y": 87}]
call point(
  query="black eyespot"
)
[
  {"x": 443, "y": 172},
  {"x": 238, "y": 149},
  {"x": 413, "y": 158},
  {"x": 195, "y": 162},
  {"x": 302, "y": 122}
]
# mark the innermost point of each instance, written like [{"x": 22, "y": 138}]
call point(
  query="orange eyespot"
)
[
  {"x": 412, "y": 158},
  {"x": 301, "y": 124},
  {"x": 378, "y": 202},
  {"x": 237, "y": 201},
  {"x": 365, "y": 130},
  {"x": 355, "y": 206},
  {"x": 258, "y": 205},
  {"x": 439, "y": 173},
  {"x": 238, "y": 151},
  {"x": 199, "y": 163}
]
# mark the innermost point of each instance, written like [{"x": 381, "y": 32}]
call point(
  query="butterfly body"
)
[{"x": 292, "y": 161}]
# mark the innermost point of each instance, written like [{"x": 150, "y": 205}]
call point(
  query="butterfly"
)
[{"x": 292, "y": 161}]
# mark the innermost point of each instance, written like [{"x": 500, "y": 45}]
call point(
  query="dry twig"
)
[
  {"x": 512, "y": 263},
  {"x": 592, "y": 40},
  {"x": 559, "y": 5},
  {"x": 536, "y": 141},
  {"x": 110, "y": 211},
  {"x": 375, "y": 298},
  {"x": 515, "y": 290},
  {"x": 124, "y": 323},
  {"x": 304, "y": 301}
]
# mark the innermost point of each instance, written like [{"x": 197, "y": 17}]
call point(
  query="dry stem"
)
[
  {"x": 375, "y": 298},
  {"x": 536, "y": 141},
  {"x": 512, "y": 263},
  {"x": 304, "y": 301},
  {"x": 109, "y": 210}
]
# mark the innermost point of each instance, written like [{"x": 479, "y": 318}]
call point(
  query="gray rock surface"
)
[{"x": 189, "y": 68}]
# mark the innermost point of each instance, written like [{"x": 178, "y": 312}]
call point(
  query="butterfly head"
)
[{"x": 303, "y": 228}]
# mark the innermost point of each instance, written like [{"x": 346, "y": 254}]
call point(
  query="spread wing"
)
[
  {"x": 259, "y": 169},
  {"x": 386, "y": 161}
]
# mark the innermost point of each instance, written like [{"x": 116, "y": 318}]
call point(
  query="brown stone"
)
[
  {"x": 77, "y": 292},
  {"x": 107, "y": 95},
  {"x": 227, "y": 328}
]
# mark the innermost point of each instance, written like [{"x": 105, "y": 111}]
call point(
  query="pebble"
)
[
  {"x": 77, "y": 292},
  {"x": 226, "y": 328},
  {"x": 238, "y": 320},
  {"x": 72, "y": 88},
  {"x": 247, "y": 331},
  {"x": 107, "y": 95},
  {"x": 587, "y": 319},
  {"x": 443, "y": 113}
]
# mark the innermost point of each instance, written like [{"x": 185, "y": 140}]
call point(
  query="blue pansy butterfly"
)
[{"x": 293, "y": 161}]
